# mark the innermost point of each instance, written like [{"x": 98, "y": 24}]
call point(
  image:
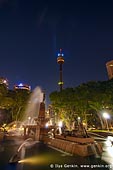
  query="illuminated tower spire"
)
[{"x": 60, "y": 61}]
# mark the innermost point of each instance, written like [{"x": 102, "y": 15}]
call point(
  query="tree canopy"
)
[
  {"x": 87, "y": 100},
  {"x": 12, "y": 104}
]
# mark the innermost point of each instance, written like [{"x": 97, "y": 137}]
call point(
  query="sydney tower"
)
[{"x": 60, "y": 61}]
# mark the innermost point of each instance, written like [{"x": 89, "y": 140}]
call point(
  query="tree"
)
[
  {"x": 63, "y": 102},
  {"x": 14, "y": 103},
  {"x": 20, "y": 99},
  {"x": 3, "y": 90},
  {"x": 82, "y": 100}
]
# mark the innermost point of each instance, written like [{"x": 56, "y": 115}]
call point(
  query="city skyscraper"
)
[{"x": 109, "y": 66}]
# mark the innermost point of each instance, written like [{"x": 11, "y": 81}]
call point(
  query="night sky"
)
[{"x": 33, "y": 31}]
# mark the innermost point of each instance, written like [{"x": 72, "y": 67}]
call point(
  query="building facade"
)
[
  {"x": 22, "y": 86},
  {"x": 109, "y": 66}
]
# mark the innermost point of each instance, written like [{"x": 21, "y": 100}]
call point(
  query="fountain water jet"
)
[
  {"x": 33, "y": 106},
  {"x": 34, "y": 124},
  {"x": 20, "y": 154}
]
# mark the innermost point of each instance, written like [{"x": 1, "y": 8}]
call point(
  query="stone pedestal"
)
[
  {"x": 39, "y": 129},
  {"x": 37, "y": 135}
]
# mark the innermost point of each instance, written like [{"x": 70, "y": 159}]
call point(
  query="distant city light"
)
[
  {"x": 5, "y": 81},
  {"x": 20, "y": 85},
  {"x": 60, "y": 54}
]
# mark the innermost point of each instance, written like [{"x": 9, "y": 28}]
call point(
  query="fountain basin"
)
[{"x": 77, "y": 146}]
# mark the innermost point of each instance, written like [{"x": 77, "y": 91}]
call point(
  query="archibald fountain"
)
[
  {"x": 34, "y": 127},
  {"x": 33, "y": 124},
  {"x": 35, "y": 116}
]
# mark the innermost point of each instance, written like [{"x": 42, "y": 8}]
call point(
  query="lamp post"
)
[
  {"x": 106, "y": 117},
  {"x": 29, "y": 118},
  {"x": 60, "y": 124},
  {"x": 79, "y": 120}
]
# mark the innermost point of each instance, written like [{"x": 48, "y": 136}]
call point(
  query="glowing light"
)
[
  {"x": 36, "y": 160},
  {"x": 47, "y": 124},
  {"x": 60, "y": 124},
  {"x": 31, "y": 161},
  {"x": 21, "y": 128},
  {"x": 60, "y": 82},
  {"x": 5, "y": 81},
  {"x": 110, "y": 151},
  {"x": 20, "y": 85},
  {"x": 84, "y": 124},
  {"x": 78, "y": 118},
  {"x": 14, "y": 125},
  {"x": 108, "y": 143},
  {"x": 106, "y": 115},
  {"x": 110, "y": 138},
  {"x": 29, "y": 117},
  {"x": 58, "y": 54},
  {"x": 60, "y": 60},
  {"x": 4, "y": 124}
]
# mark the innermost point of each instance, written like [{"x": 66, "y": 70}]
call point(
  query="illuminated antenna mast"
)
[{"x": 60, "y": 61}]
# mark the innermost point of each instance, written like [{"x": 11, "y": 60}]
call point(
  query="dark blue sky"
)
[{"x": 32, "y": 31}]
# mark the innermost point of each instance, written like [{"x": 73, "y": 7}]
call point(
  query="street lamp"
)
[
  {"x": 46, "y": 125},
  {"x": 29, "y": 118},
  {"x": 60, "y": 124},
  {"x": 106, "y": 116},
  {"x": 79, "y": 120}
]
